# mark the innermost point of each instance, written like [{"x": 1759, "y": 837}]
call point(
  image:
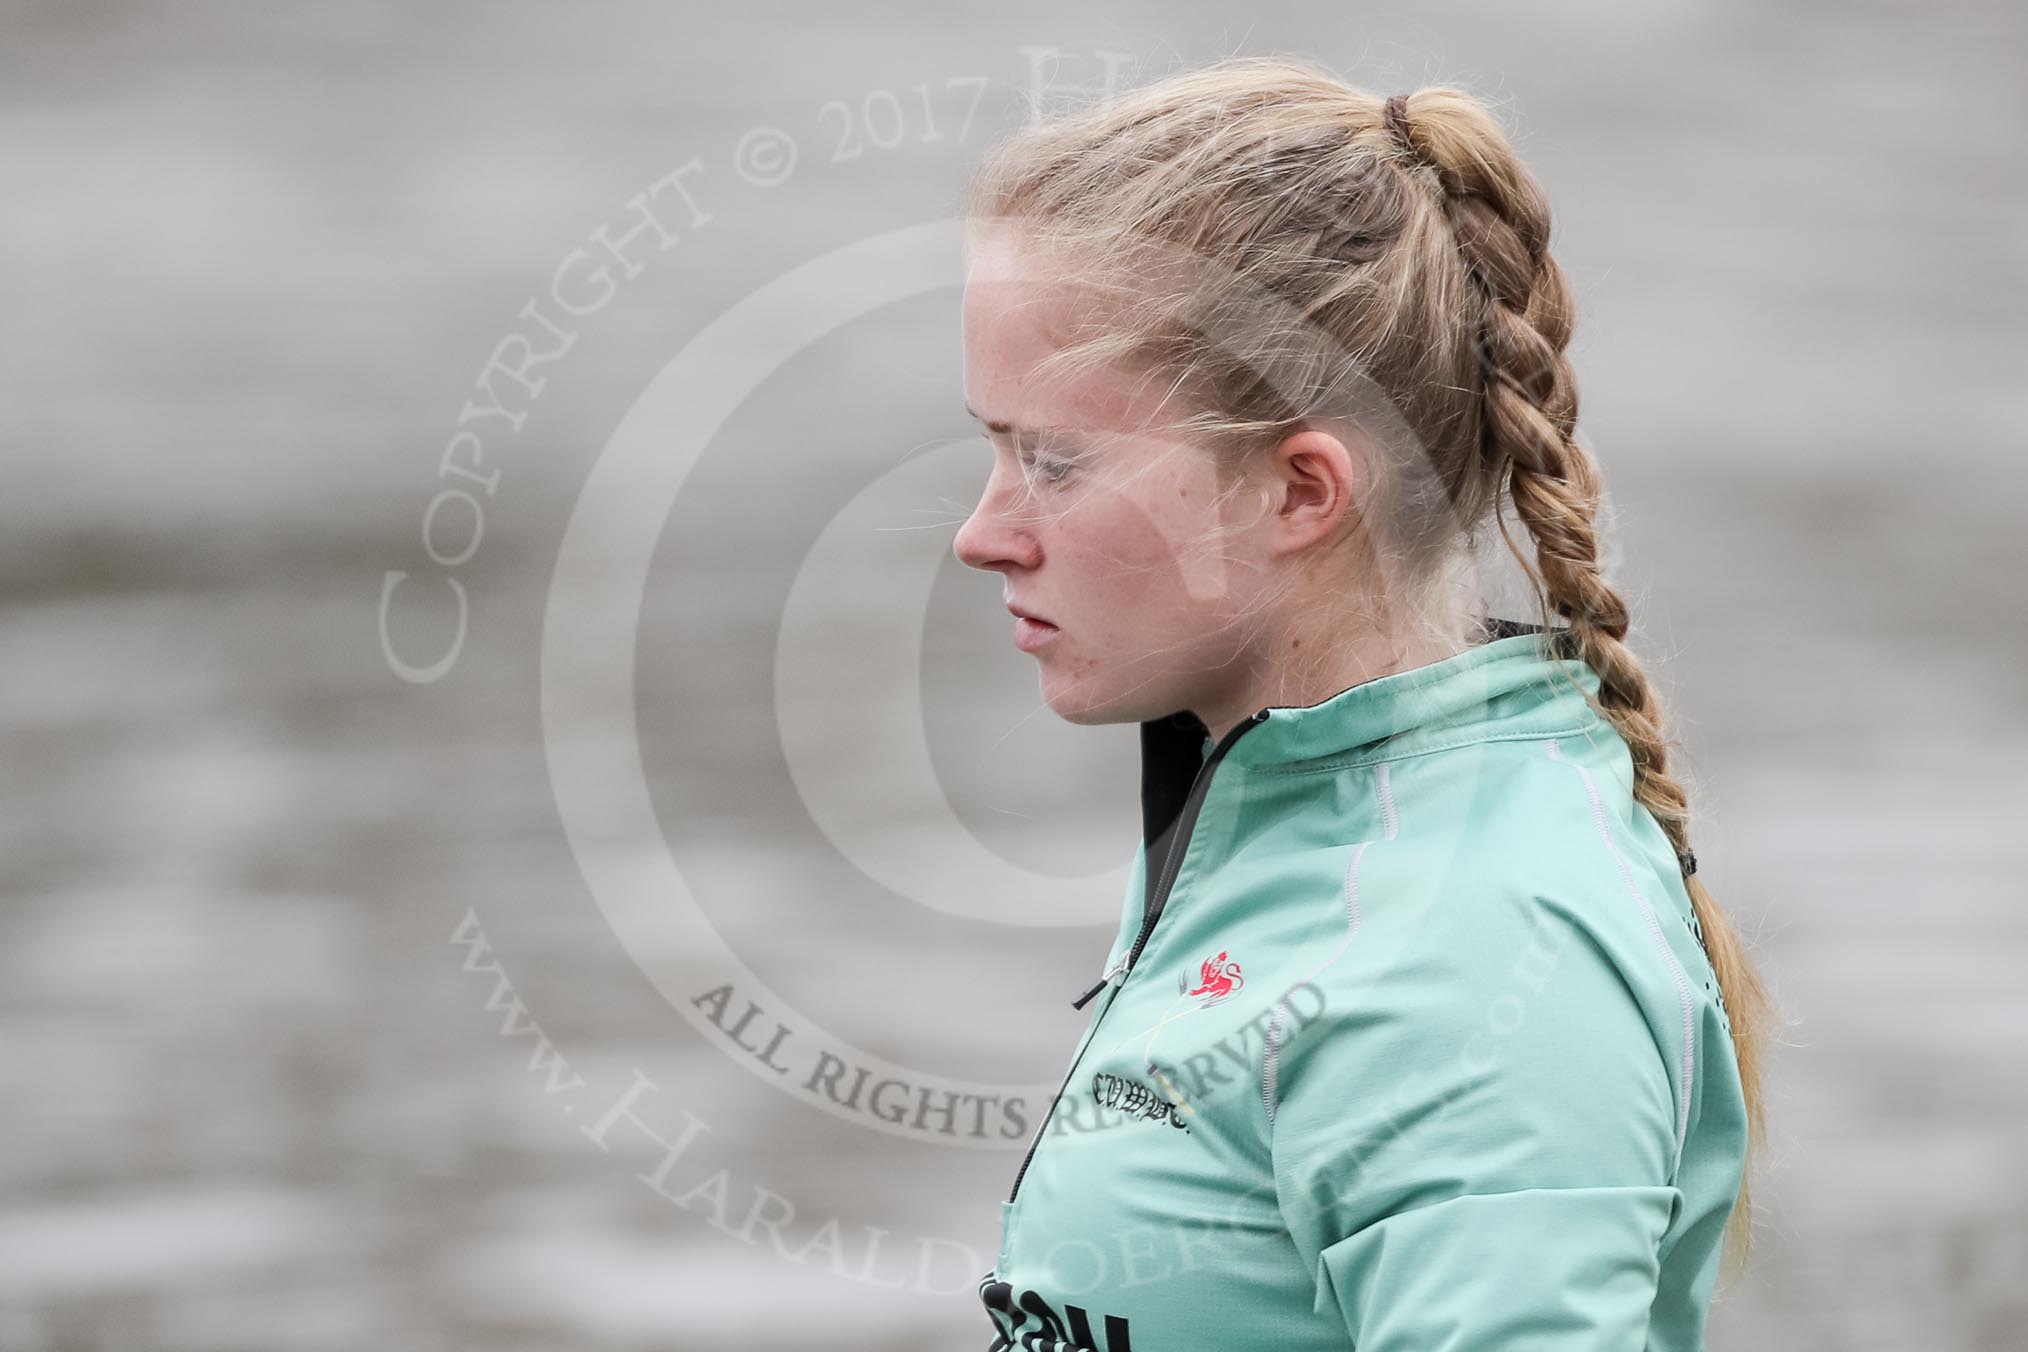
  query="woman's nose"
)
[{"x": 994, "y": 537}]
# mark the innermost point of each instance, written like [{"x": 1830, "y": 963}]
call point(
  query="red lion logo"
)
[{"x": 1221, "y": 978}]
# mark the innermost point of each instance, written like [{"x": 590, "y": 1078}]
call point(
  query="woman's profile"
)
[{"x": 1419, "y": 1029}]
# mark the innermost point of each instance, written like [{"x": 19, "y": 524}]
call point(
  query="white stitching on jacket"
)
[
  {"x": 1598, "y": 817},
  {"x": 1390, "y": 821}
]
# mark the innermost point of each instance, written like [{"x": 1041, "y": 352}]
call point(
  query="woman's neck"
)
[{"x": 1297, "y": 669}]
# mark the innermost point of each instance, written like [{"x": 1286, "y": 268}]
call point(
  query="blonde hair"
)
[{"x": 1282, "y": 249}]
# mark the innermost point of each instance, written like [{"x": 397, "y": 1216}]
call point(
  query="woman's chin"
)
[
  {"x": 1078, "y": 702},
  {"x": 1065, "y": 698}
]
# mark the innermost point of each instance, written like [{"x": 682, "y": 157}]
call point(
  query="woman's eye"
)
[{"x": 1051, "y": 468}]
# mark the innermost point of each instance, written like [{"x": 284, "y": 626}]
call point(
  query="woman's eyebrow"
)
[
  {"x": 1005, "y": 428},
  {"x": 1002, "y": 428},
  {"x": 1057, "y": 435}
]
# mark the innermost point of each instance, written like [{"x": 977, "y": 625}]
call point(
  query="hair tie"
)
[
  {"x": 1688, "y": 859},
  {"x": 1397, "y": 122}
]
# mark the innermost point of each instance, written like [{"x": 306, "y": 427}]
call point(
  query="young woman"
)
[{"x": 1418, "y": 1031}]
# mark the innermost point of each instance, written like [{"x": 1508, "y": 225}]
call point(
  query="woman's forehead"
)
[
  {"x": 1018, "y": 314},
  {"x": 1008, "y": 388}
]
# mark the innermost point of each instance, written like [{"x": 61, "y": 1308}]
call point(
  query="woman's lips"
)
[{"x": 1031, "y": 634}]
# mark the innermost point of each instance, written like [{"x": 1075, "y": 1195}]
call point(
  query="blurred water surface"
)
[{"x": 257, "y": 260}]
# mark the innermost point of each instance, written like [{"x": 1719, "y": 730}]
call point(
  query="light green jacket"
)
[{"x": 1408, "y": 1042}]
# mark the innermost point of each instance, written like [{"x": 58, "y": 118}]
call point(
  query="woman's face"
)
[{"x": 1099, "y": 525}]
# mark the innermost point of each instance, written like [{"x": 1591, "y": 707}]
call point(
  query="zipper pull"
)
[{"x": 1112, "y": 974}]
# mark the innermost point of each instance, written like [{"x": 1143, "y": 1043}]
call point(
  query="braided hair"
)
[{"x": 1279, "y": 249}]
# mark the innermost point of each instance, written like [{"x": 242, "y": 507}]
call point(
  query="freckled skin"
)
[
  {"x": 1168, "y": 592},
  {"x": 1151, "y": 619}
]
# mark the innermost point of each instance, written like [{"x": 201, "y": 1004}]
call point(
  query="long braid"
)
[
  {"x": 1500, "y": 218},
  {"x": 1276, "y": 169}
]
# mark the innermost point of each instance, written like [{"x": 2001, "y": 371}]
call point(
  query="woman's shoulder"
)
[
  {"x": 1529, "y": 822},
  {"x": 1517, "y": 931},
  {"x": 1465, "y": 877},
  {"x": 1512, "y": 984}
]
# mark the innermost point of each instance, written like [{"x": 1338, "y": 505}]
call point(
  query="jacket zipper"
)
[
  {"x": 1192, "y": 804},
  {"x": 1116, "y": 975}
]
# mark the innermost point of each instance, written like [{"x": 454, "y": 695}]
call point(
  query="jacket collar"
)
[{"x": 1505, "y": 682}]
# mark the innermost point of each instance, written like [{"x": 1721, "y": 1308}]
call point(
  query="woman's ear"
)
[{"x": 1314, "y": 480}]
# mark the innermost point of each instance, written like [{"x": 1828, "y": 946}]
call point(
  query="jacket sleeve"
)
[{"x": 1473, "y": 1138}]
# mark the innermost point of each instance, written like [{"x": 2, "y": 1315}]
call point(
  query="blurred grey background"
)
[{"x": 258, "y": 260}]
